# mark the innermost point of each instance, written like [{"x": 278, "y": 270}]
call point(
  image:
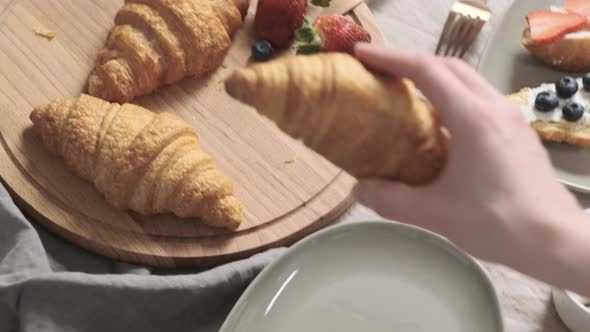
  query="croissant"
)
[
  {"x": 158, "y": 42},
  {"x": 370, "y": 125},
  {"x": 139, "y": 160}
]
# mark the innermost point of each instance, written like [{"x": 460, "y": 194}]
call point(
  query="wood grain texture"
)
[{"x": 287, "y": 190}]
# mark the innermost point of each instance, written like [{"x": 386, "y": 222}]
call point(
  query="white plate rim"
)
[
  {"x": 569, "y": 309},
  {"x": 338, "y": 228},
  {"x": 483, "y": 59}
]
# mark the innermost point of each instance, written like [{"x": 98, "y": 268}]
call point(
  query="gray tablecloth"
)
[{"x": 49, "y": 285}]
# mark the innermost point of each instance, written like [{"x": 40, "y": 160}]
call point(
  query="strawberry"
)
[
  {"x": 277, "y": 20},
  {"x": 547, "y": 26},
  {"x": 330, "y": 33},
  {"x": 578, "y": 6}
]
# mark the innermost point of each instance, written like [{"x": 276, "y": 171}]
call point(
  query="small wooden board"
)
[{"x": 287, "y": 190}]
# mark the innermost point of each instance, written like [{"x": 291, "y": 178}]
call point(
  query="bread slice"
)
[
  {"x": 569, "y": 54},
  {"x": 551, "y": 126}
]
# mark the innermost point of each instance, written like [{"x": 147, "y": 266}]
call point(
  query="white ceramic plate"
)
[
  {"x": 573, "y": 309},
  {"x": 510, "y": 67},
  {"x": 373, "y": 276}
]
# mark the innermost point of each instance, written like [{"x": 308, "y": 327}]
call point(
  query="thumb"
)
[{"x": 392, "y": 200}]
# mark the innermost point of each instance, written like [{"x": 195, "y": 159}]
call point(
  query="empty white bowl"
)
[
  {"x": 371, "y": 276},
  {"x": 572, "y": 310}
]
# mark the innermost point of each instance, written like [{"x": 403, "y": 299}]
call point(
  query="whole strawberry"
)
[
  {"x": 330, "y": 33},
  {"x": 277, "y": 20}
]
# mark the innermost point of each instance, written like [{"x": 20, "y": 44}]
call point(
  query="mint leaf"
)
[{"x": 321, "y": 3}]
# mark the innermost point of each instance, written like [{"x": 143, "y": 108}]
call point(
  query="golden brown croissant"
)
[
  {"x": 157, "y": 42},
  {"x": 365, "y": 123},
  {"x": 146, "y": 162}
]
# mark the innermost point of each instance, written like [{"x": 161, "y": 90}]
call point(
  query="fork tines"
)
[{"x": 465, "y": 21}]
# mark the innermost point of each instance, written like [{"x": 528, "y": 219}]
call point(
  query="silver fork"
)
[{"x": 465, "y": 21}]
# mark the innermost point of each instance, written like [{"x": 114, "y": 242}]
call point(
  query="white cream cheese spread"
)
[{"x": 582, "y": 97}]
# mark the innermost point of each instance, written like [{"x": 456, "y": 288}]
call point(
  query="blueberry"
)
[
  {"x": 573, "y": 111},
  {"x": 546, "y": 101},
  {"x": 262, "y": 50},
  {"x": 586, "y": 81},
  {"x": 566, "y": 87}
]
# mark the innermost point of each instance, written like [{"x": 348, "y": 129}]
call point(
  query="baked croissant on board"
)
[
  {"x": 139, "y": 160},
  {"x": 370, "y": 125},
  {"x": 158, "y": 42}
]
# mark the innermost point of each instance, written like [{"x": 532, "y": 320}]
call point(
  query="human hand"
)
[{"x": 497, "y": 197}]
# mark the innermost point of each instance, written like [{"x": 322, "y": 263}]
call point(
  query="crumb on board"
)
[
  {"x": 289, "y": 161},
  {"x": 47, "y": 34},
  {"x": 220, "y": 86}
]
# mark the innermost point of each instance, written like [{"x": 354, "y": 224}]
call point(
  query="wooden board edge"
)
[
  {"x": 342, "y": 184},
  {"x": 324, "y": 221},
  {"x": 27, "y": 176}
]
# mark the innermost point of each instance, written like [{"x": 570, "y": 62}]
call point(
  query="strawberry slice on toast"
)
[
  {"x": 547, "y": 26},
  {"x": 559, "y": 38}
]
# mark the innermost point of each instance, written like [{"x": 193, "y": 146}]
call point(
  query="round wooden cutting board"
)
[{"x": 287, "y": 190}]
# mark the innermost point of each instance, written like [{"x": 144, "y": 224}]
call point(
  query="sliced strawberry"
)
[
  {"x": 578, "y": 6},
  {"x": 340, "y": 33},
  {"x": 547, "y": 26},
  {"x": 330, "y": 33}
]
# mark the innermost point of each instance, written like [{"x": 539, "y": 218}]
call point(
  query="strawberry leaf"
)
[
  {"x": 307, "y": 39},
  {"x": 305, "y": 35},
  {"x": 309, "y": 48},
  {"x": 321, "y": 3}
]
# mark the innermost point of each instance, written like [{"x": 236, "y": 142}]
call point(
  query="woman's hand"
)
[{"x": 497, "y": 197}]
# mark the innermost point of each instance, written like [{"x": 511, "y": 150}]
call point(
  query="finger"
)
[
  {"x": 427, "y": 71},
  {"x": 391, "y": 200},
  {"x": 402, "y": 203},
  {"x": 470, "y": 78},
  {"x": 438, "y": 83}
]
